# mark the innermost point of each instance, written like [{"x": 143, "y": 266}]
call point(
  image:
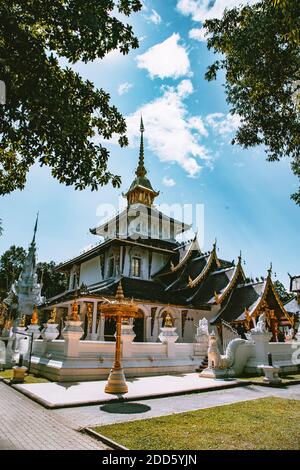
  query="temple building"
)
[{"x": 140, "y": 246}]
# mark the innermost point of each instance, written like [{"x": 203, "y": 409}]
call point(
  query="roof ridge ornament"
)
[{"x": 270, "y": 270}]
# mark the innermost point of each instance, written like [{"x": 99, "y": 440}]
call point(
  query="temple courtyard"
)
[{"x": 236, "y": 413}]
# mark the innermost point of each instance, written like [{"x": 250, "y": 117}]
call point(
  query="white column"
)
[
  {"x": 148, "y": 328},
  {"x": 94, "y": 324}
]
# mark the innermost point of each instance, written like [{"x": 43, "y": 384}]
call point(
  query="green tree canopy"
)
[
  {"x": 53, "y": 282},
  {"x": 283, "y": 294},
  {"x": 261, "y": 57},
  {"x": 52, "y": 115},
  {"x": 11, "y": 263}
]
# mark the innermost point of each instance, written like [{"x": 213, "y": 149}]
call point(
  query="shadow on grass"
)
[{"x": 125, "y": 408}]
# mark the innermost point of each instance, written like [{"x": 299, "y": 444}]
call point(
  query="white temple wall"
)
[{"x": 90, "y": 271}]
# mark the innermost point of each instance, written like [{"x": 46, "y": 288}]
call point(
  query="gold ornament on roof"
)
[
  {"x": 22, "y": 321},
  {"x": 35, "y": 316}
]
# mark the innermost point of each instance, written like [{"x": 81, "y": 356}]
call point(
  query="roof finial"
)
[
  {"x": 270, "y": 270},
  {"x": 240, "y": 257},
  {"x": 141, "y": 170},
  {"x": 35, "y": 228}
]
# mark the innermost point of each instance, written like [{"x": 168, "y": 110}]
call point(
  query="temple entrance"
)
[
  {"x": 109, "y": 329},
  {"x": 139, "y": 328}
]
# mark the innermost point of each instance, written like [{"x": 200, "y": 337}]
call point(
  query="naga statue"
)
[{"x": 230, "y": 361}]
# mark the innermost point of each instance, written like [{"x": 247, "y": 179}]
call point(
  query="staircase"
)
[{"x": 203, "y": 365}]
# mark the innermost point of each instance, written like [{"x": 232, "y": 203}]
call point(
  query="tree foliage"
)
[
  {"x": 11, "y": 263},
  {"x": 283, "y": 294},
  {"x": 53, "y": 282},
  {"x": 261, "y": 58},
  {"x": 52, "y": 115}
]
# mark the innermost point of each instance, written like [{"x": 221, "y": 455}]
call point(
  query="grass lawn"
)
[
  {"x": 29, "y": 379},
  {"x": 266, "y": 423}
]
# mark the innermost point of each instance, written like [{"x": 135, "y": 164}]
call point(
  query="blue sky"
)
[{"x": 189, "y": 157}]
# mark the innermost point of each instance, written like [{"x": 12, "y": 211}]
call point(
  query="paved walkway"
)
[
  {"x": 61, "y": 394},
  {"x": 129, "y": 411},
  {"x": 27, "y": 425}
]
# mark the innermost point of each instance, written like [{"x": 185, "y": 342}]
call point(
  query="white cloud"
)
[
  {"x": 185, "y": 88},
  {"x": 124, "y": 88},
  {"x": 171, "y": 133},
  {"x": 154, "y": 17},
  {"x": 197, "y": 123},
  {"x": 166, "y": 59},
  {"x": 223, "y": 123},
  {"x": 169, "y": 182},
  {"x": 202, "y": 10},
  {"x": 198, "y": 34}
]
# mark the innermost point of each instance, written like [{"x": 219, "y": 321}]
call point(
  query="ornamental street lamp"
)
[{"x": 118, "y": 309}]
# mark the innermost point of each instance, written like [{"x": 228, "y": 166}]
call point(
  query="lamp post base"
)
[{"x": 116, "y": 382}]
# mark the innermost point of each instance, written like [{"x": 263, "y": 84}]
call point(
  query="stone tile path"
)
[{"x": 26, "y": 425}]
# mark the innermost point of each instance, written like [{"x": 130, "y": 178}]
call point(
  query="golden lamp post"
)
[{"x": 118, "y": 309}]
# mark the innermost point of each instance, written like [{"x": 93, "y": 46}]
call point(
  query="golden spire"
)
[
  {"x": 120, "y": 293},
  {"x": 35, "y": 316},
  {"x": 141, "y": 170},
  {"x": 22, "y": 321}
]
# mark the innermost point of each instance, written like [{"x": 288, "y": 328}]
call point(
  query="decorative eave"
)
[
  {"x": 268, "y": 284},
  {"x": 193, "y": 244},
  {"x": 219, "y": 298},
  {"x": 133, "y": 210},
  {"x": 212, "y": 257}
]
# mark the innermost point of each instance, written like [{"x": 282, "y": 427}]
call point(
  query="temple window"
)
[{"x": 136, "y": 266}]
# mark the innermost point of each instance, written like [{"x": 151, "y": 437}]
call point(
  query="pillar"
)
[
  {"x": 94, "y": 323},
  {"x": 101, "y": 328}
]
